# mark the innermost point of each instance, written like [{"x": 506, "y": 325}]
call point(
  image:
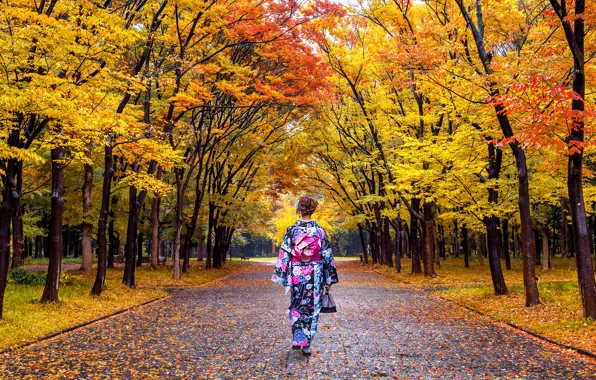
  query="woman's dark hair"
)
[{"x": 307, "y": 205}]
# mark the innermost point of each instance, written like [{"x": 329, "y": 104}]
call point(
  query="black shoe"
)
[
  {"x": 307, "y": 351},
  {"x": 296, "y": 348}
]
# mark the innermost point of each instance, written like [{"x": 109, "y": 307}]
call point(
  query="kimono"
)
[{"x": 304, "y": 266}]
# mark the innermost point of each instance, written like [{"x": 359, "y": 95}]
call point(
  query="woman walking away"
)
[{"x": 305, "y": 267}]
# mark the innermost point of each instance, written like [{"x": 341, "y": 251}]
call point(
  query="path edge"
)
[
  {"x": 536, "y": 335},
  {"x": 579, "y": 350},
  {"x": 82, "y": 324},
  {"x": 115, "y": 313}
]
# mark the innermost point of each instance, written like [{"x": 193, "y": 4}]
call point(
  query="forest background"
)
[{"x": 443, "y": 137}]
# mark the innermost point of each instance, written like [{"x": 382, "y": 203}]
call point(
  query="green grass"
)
[{"x": 45, "y": 260}]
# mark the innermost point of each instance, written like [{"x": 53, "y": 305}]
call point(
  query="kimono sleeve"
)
[
  {"x": 329, "y": 269},
  {"x": 282, "y": 266}
]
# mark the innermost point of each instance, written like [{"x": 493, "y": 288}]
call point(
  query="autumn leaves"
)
[
  {"x": 173, "y": 106},
  {"x": 460, "y": 115}
]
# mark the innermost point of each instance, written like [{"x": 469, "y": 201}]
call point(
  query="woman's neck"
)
[{"x": 306, "y": 219}]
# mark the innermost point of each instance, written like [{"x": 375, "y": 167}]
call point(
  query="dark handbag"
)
[{"x": 328, "y": 303}]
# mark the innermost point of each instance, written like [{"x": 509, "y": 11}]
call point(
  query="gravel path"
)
[{"x": 237, "y": 328}]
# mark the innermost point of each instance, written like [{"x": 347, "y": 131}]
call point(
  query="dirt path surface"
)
[{"x": 236, "y": 328}]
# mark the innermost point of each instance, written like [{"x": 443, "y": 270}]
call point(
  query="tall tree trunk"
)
[
  {"x": 442, "y": 248},
  {"x": 564, "y": 239},
  {"x": 38, "y": 247},
  {"x": 86, "y": 226},
  {"x": 387, "y": 243},
  {"x": 200, "y": 242},
  {"x": 179, "y": 220},
  {"x": 435, "y": 238},
  {"x": 505, "y": 230},
  {"x": 217, "y": 247},
  {"x": 545, "y": 249},
  {"x": 480, "y": 248},
  {"x": 18, "y": 245},
  {"x": 140, "y": 249},
  {"x": 208, "y": 262},
  {"x": 528, "y": 247},
  {"x": 414, "y": 246},
  {"x": 398, "y": 244},
  {"x": 136, "y": 200},
  {"x": 363, "y": 243},
  {"x": 46, "y": 237},
  {"x": 585, "y": 272},
  {"x": 102, "y": 245},
  {"x": 128, "y": 278},
  {"x": 494, "y": 263},
  {"x": 429, "y": 268},
  {"x": 155, "y": 230},
  {"x": 466, "y": 243},
  {"x": 114, "y": 238},
  {"x": 455, "y": 239},
  {"x": 9, "y": 193},
  {"x": 50, "y": 292}
]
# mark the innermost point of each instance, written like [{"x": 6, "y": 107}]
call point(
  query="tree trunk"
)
[
  {"x": 585, "y": 272},
  {"x": 363, "y": 243},
  {"x": 505, "y": 230},
  {"x": 208, "y": 262},
  {"x": 38, "y": 248},
  {"x": 429, "y": 268},
  {"x": 178, "y": 220},
  {"x": 564, "y": 239},
  {"x": 528, "y": 247},
  {"x": 18, "y": 244},
  {"x": 414, "y": 246},
  {"x": 86, "y": 226},
  {"x": 9, "y": 193},
  {"x": 387, "y": 243},
  {"x": 114, "y": 248},
  {"x": 466, "y": 243},
  {"x": 200, "y": 242},
  {"x": 128, "y": 278},
  {"x": 155, "y": 230},
  {"x": 50, "y": 292},
  {"x": 140, "y": 249},
  {"x": 102, "y": 245},
  {"x": 494, "y": 263},
  {"x": 545, "y": 249},
  {"x": 480, "y": 248},
  {"x": 398, "y": 245},
  {"x": 455, "y": 240},
  {"x": 435, "y": 238}
]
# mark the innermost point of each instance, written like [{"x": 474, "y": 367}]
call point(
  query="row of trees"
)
[
  {"x": 428, "y": 100},
  {"x": 116, "y": 114}
]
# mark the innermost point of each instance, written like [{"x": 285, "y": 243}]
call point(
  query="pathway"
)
[{"x": 237, "y": 328}]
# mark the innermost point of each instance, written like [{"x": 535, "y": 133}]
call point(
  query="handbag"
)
[{"x": 328, "y": 303}]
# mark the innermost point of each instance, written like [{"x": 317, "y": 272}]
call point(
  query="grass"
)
[
  {"x": 559, "y": 317},
  {"x": 25, "y": 319},
  {"x": 45, "y": 260},
  {"x": 452, "y": 273}
]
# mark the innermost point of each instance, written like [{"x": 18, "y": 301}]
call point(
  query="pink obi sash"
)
[{"x": 315, "y": 257}]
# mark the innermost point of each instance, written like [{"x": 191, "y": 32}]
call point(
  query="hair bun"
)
[{"x": 307, "y": 205}]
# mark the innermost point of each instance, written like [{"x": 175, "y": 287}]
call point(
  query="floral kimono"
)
[{"x": 305, "y": 264}]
